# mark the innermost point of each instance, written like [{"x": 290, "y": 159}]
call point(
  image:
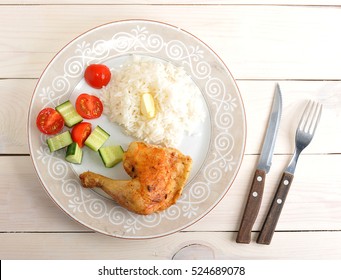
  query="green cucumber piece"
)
[
  {"x": 74, "y": 153},
  {"x": 59, "y": 141},
  {"x": 97, "y": 138},
  {"x": 111, "y": 155},
  {"x": 69, "y": 113}
]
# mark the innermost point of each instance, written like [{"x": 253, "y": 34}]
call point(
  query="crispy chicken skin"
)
[{"x": 158, "y": 178}]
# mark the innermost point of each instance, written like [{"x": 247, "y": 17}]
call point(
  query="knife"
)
[{"x": 256, "y": 192}]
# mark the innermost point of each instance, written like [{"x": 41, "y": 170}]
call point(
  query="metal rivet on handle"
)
[
  {"x": 254, "y": 194},
  {"x": 286, "y": 182},
  {"x": 259, "y": 178},
  {"x": 279, "y": 201}
]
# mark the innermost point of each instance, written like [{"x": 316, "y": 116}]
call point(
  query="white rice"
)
[{"x": 178, "y": 101}]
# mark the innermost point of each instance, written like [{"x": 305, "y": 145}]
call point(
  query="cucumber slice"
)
[
  {"x": 74, "y": 153},
  {"x": 59, "y": 141},
  {"x": 69, "y": 113},
  {"x": 97, "y": 138},
  {"x": 111, "y": 155}
]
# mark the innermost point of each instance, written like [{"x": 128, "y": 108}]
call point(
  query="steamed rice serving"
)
[{"x": 178, "y": 103}]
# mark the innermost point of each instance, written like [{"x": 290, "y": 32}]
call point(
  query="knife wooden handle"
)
[
  {"x": 252, "y": 207},
  {"x": 275, "y": 210}
]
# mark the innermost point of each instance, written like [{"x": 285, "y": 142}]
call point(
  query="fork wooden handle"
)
[
  {"x": 252, "y": 207},
  {"x": 275, "y": 210}
]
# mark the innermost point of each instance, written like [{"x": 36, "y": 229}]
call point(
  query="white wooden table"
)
[{"x": 294, "y": 43}]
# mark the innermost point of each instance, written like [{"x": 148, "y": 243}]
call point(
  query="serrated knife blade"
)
[{"x": 264, "y": 163}]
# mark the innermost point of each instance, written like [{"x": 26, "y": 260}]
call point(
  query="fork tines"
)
[{"x": 310, "y": 117}]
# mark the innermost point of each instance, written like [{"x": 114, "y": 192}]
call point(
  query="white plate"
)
[{"x": 217, "y": 149}]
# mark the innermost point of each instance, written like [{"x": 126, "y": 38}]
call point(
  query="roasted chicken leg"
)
[{"x": 158, "y": 178}]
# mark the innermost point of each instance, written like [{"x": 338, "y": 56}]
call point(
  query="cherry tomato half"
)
[
  {"x": 49, "y": 121},
  {"x": 80, "y": 132},
  {"x": 97, "y": 75},
  {"x": 89, "y": 106}
]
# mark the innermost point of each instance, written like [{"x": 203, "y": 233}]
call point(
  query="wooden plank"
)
[
  {"x": 303, "y": 47},
  {"x": 24, "y": 65},
  {"x": 172, "y": 2},
  {"x": 15, "y": 96},
  {"x": 257, "y": 96},
  {"x": 285, "y": 245},
  {"x": 313, "y": 202}
]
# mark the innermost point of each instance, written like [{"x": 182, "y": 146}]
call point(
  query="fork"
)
[{"x": 304, "y": 134}]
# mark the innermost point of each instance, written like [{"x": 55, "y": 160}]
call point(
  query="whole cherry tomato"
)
[{"x": 97, "y": 75}]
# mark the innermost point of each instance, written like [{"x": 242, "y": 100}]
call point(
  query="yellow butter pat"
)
[{"x": 147, "y": 105}]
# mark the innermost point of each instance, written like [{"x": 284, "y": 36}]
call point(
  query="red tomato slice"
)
[
  {"x": 80, "y": 132},
  {"x": 89, "y": 106},
  {"x": 97, "y": 75},
  {"x": 49, "y": 121}
]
